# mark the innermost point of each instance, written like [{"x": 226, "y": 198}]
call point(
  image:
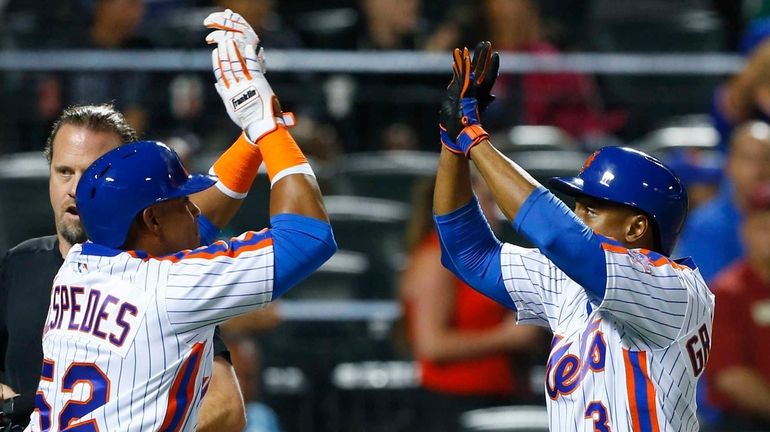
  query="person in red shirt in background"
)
[
  {"x": 738, "y": 369},
  {"x": 570, "y": 101},
  {"x": 460, "y": 339}
]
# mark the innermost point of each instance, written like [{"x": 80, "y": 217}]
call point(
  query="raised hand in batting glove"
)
[
  {"x": 485, "y": 66},
  {"x": 241, "y": 83},
  {"x": 230, "y": 25},
  {"x": 460, "y": 126}
]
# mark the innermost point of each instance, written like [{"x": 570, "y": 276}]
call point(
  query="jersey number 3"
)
[
  {"x": 595, "y": 411},
  {"x": 77, "y": 373}
]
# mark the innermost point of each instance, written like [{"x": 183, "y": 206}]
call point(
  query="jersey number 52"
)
[{"x": 77, "y": 373}]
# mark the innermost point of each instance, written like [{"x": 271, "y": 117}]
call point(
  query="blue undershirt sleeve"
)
[
  {"x": 208, "y": 231},
  {"x": 564, "y": 239},
  {"x": 471, "y": 251},
  {"x": 301, "y": 244}
]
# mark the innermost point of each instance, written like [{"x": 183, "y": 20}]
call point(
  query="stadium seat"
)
[
  {"x": 545, "y": 164},
  {"x": 506, "y": 419},
  {"x": 338, "y": 278},
  {"x": 25, "y": 207},
  {"x": 385, "y": 174},
  {"x": 374, "y": 227},
  {"x": 531, "y": 138},
  {"x": 650, "y": 99},
  {"x": 374, "y": 396},
  {"x": 676, "y": 137}
]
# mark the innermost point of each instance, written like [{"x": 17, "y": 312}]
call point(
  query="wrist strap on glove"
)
[
  {"x": 237, "y": 168},
  {"x": 471, "y": 136},
  {"x": 282, "y": 155}
]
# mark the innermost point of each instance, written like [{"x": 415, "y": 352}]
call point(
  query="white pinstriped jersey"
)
[
  {"x": 128, "y": 339},
  {"x": 630, "y": 363}
]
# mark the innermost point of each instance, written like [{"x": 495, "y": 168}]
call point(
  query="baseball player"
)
[
  {"x": 127, "y": 340},
  {"x": 631, "y": 326},
  {"x": 79, "y": 136}
]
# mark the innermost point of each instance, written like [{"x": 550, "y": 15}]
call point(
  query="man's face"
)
[
  {"x": 178, "y": 222},
  {"x": 74, "y": 149},
  {"x": 607, "y": 219},
  {"x": 749, "y": 163},
  {"x": 756, "y": 235}
]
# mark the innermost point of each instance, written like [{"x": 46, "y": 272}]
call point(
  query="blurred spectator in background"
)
[
  {"x": 700, "y": 171},
  {"x": 271, "y": 29},
  {"x": 390, "y": 25},
  {"x": 738, "y": 371},
  {"x": 711, "y": 234},
  {"x": 746, "y": 96},
  {"x": 246, "y": 360},
  {"x": 461, "y": 339},
  {"x": 318, "y": 140},
  {"x": 114, "y": 26},
  {"x": 570, "y": 101},
  {"x": 365, "y": 106},
  {"x": 240, "y": 334},
  {"x": 399, "y": 136}
]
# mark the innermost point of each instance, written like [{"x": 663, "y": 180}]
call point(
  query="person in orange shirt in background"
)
[
  {"x": 460, "y": 339},
  {"x": 738, "y": 371}
]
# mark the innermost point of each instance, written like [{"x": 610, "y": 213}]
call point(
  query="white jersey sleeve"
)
[
  {"x": 211, "y": 284},
  {"x": 534, "y": 283},
  {"x": 657, "y": 299}
]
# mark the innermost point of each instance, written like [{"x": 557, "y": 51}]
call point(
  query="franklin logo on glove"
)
[{"x": 242, "y": 99}]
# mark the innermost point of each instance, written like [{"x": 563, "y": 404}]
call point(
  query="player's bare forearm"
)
[
  {"x": 510, "y": 184},
  {"x": 747, "y": 389},
  {"x": 223, "y": 408},
  {"x": 216, "y": 206},
  {"x": 453, "y": 183},
  {"x": 298, "y": 194}
]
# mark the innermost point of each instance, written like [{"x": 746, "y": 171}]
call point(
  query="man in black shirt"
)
[{"x": 81, "y": 135}]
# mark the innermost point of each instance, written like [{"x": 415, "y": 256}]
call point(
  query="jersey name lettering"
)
[{"x": 97, "y": 313}]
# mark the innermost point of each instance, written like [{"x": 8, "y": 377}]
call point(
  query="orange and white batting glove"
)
[
  {"x": 241, "y": 83},
  {"x": 252, "y": 105},
  {"x": 231, "y": 25}
]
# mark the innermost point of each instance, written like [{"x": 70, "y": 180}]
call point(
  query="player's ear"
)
[
  {"x": 638, "y": 230},
  {"x": 150, "y": 220}
]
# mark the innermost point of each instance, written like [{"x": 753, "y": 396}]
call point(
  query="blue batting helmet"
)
[
  {"x": 127, "y": 180},
  {"x": 627, "y": 176}
]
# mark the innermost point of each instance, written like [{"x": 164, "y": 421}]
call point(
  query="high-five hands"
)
[{"x": 467, "y": 95}]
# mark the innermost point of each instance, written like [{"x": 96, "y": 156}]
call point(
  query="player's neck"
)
[{"x": 147, "y": 244}]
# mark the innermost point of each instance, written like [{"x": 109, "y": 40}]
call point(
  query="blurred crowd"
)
[
  {"x": 345, "y": 112},
  {"x": 468, "y": 351}
]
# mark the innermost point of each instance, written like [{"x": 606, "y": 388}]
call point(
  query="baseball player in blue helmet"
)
[
  {"x": 128, "y": 337},
  {"x": 626, "y": 176},
  {"x": 631, "y": 326},
  {"x": 113, "y": 190}
]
